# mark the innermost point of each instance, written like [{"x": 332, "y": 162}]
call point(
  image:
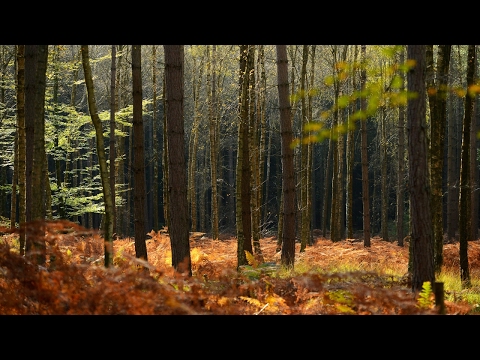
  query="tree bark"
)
[
  {"x": 422, "y": 240},
  {"x": 365, "y": 184},
  {"x": 177, "y": 179},
  {"x": 102, "y": 159},
  {"x": 288, "y": 171},
  {"x": 139, "y": 192},
  {"x": 465, "y": 184}
]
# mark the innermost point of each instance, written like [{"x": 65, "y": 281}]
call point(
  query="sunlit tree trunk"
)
[
  {"x": 253, "y": 144},
  {"x": 102, "y": 159},
  {"x": 288, "y": 171}
]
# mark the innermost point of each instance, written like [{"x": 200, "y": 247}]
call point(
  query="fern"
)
[
  {"x": 251, "y": 259},
  {"x": 425, "y": 297}
]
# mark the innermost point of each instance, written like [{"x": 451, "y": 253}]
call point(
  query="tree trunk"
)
[
  {"x": 365, "y": 185},
  {"x": 465, "y": 185},
  {"x": 36, "y": 58},
  {"x": 21, "y": 142},
  {"x": 438, "y": 114},
  {"x": 401, "y": 162},
  {"x": 213, "y": 137},
  {"x": 244, "y": 238},
  {"x": 139, "y": 199},
  {"x": 288, "y": 171},
  {"x": 422, "y": 240},
  {"x": 193, "y": 146},
  {"x": 102, "y": 160},
  {"x": 304, "y": 169},
  {"x": 350, "y": 158},
  {"x": 177, "y": 179},
  {"x": 111, "y": 150},
  {"x": 155, "y": 144}
]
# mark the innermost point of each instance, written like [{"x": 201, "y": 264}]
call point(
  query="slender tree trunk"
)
[
  {"x": 192, "y": 167},
  {"x": 288, "y": 172},
  {"x": 401, "y": 162},
  {"x": 365, "y": 185},
  {"x": 166, "y": 192},
  {"x": 253, "y": 144},
  {"x": 111, "y": 150},
  {"x": 243, "y": 194},
  {"x": 155, "y": 139},
  {"x": 261, "y": 119},
  {"x": 139, "y": 195},
  {"x": 21, "y": 142},
  {"x": 213, "y": 138},
  {"x": 465, "y": 185},
  {"x": 304, "y": 169},
  {"x": 102, "y": 160},
  {"x": 438, "y": 124},
  {"x": 350, "y": 157}
]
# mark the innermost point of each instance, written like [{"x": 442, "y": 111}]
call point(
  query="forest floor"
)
[{"x": 328, "y": 278}]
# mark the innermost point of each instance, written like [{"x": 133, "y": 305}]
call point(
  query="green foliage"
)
[
  {"x": 426, "y": 297},
  {"x": 343, "y": 300}
]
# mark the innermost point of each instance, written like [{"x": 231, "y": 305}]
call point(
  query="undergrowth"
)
[{"x": 328, "y": 278}]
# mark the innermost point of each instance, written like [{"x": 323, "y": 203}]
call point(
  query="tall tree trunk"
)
[
  {"x": 261, "y": 119},
  {"x": 38, "y": 196},
  {"x": 102, "y": 159},
  {"x": 350, "y": 157},
  {"x": 288, "y": 172},
  {"x": 438, "y": 114},
  {"x": 165, "y": 157},
  {"x": 384, "y": 172},
  {"x": 401, "y": 162},
  {"x": 21, "y": 142},
  {"x": 422, "y": 240},
  {"x": 213, "y": 137},
  {"x": 155, "y": 139},
  {"x": 111, "y": 149},
  {"x": 309, "y": 180},
  {"x": 139, "y": 203},
  {"x": 465, "y": 185},
  {"x": 365, "y": 185},
  {"x": 244, "y": 237},
  {"x": 193, "y": 146},
  {"x": 253, "y": 144},
  {"x": 177, "y": 182},
  {"x": 304, "y": 169}
]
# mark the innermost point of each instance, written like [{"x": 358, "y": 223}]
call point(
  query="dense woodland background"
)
[{"x": 327, "y": 128}]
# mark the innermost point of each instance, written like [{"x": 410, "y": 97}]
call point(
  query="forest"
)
[{"x": 273, "y": 158}]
